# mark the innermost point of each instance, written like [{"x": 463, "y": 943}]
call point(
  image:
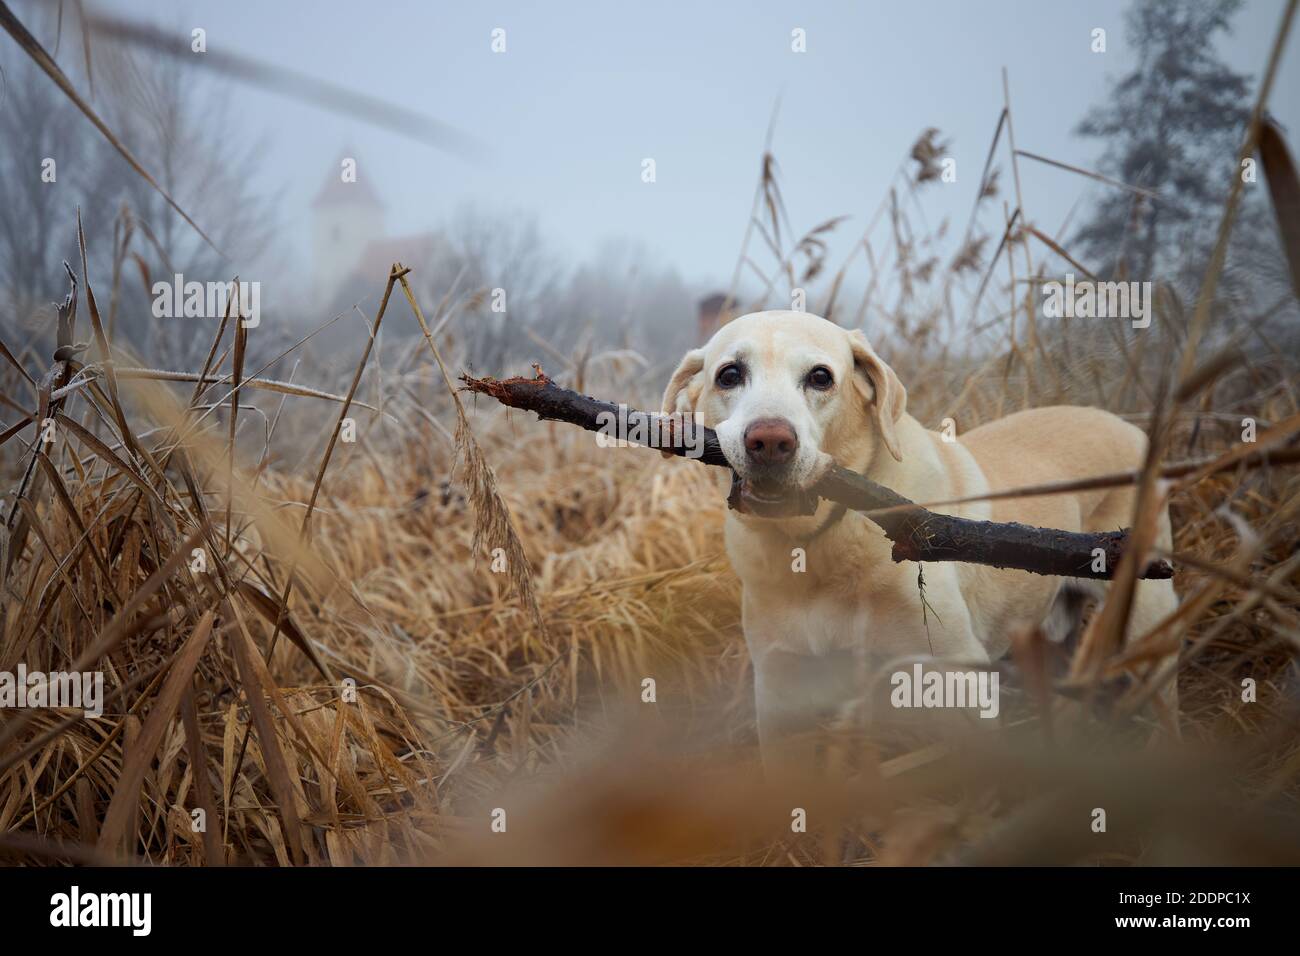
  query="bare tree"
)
[{"x": 179, "y": 126}]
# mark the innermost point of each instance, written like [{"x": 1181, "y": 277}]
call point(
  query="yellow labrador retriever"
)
[{"x": 784, "y": 388}]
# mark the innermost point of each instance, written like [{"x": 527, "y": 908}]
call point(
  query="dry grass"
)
[
  {"x": 419, "y": 688},
  {"x": 464, "y": 704}
]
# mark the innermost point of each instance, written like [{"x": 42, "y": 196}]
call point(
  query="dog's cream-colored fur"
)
[{"x": 805, "y": 630}]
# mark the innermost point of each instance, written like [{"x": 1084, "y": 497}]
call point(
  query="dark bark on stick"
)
[{"x": 917, "y": 534}]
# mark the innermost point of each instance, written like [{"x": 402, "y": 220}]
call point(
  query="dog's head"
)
[{"x": 782, "y": 387}]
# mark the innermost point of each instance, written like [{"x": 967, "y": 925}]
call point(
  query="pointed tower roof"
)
[{"x": 335, "y": 192}]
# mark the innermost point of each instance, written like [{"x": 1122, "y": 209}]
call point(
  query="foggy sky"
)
[{"x": 587, "y": 90}]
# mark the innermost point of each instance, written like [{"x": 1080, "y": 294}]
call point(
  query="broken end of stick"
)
[
  {"x": 506, "y": 390},
  {"x": 1116, "y": 544}
]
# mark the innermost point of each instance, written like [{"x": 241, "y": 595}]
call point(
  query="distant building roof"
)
[
  {"x": 712, "y": 304},
  {"x": 335, "y": 192}
]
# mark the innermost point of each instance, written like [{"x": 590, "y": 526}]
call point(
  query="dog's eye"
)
[
  {"x": 729, "y": 376},
  {"x": 820, "y": 378}
]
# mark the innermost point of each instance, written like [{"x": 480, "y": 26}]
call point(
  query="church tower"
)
[{"x": 346, "y": 217}]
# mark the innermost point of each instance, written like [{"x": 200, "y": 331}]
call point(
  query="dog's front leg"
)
[{"x": 793, "y": 694}]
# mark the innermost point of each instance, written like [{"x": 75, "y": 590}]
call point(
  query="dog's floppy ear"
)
[
  {"x": 684, "y": 387},
  {"x": 886, "y": 395}
]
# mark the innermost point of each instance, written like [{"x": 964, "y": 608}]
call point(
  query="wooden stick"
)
[{"x": 917, "y": 534}]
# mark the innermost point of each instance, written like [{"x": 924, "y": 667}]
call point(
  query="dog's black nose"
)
[{"x": 771, "y": 441}]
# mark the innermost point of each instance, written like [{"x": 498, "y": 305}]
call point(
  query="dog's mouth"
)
[
  {"x": 769, "y": 499},
  {"x": 765, "y": 490}
]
